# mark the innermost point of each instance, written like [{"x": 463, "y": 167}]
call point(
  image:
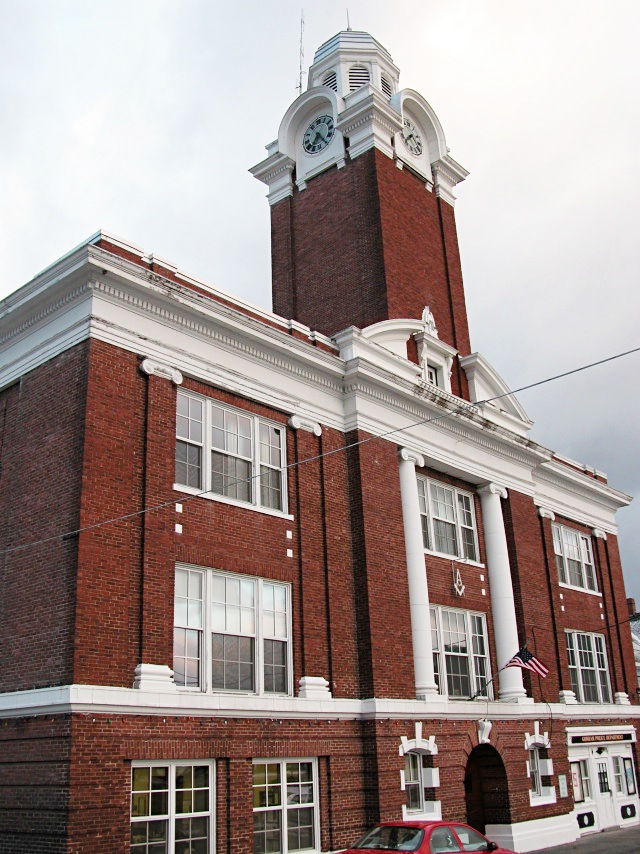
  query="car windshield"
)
[{"x": 392, "y": 838}]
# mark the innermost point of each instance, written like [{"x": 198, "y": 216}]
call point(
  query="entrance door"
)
[
  {"x": 604, "y": 793},
  {"x": 486, "y": 791}
]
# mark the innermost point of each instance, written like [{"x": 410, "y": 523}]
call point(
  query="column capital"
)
[
  {"x": 493, "y": 489},
  {"x": 159, "y": 369},
  {"x": 410, "y": 456},
  {"x": 599, "y": 534},
  {"x": 545, "y": 513},
  {"x": 298, "y": 422}
]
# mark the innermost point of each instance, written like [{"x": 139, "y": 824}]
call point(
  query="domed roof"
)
[
  {"x": 351, "y": 59},
  {"x": 350, "y": 40}
]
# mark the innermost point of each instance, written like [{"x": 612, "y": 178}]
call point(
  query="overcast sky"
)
[{"x": 142, "y": 117}]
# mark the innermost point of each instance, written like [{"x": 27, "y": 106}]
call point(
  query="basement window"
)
[{"x": 171, "y": 806}]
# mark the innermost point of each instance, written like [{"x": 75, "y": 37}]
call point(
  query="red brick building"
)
[{"x": 262, "y": 573}]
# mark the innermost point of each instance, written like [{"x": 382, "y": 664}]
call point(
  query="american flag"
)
[{"x": 527, "y": 661}]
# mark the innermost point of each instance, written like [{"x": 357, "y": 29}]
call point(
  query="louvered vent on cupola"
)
[
  {"x": 331, "y": 81},
  {"x": 358, "y": 76},
  {"x": 386, "y": 86}
]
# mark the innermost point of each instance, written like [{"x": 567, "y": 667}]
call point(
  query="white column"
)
[
  {"x": 417, "y": 575},
  {"x": 505, "y": 628}
]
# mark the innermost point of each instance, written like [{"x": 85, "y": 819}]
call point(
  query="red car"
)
[{"x": 425, "y": 837}]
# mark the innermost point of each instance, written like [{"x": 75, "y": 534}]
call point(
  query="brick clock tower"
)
[{"x": 360, "y": 187}]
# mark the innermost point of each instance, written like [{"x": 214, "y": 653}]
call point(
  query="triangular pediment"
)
[{"x": 488, "y": 390}]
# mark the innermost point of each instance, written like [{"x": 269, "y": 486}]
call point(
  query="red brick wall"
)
[
  {"x": 619, "y": 640},
  {"x": 41, "y": 429},
  {"x": 379, "y": 567},
  {"x": 545, "y": 610},
  {"x": 327, "y": 257},
  {"x": 103, "y": 749},
  {"x": 65, "y": 782},
  {"x": 537, "y": 594},
  {"x": 34, "y": 784},
  {"x": 366, "y": 243},
  {"x": 107, "y": 631}
]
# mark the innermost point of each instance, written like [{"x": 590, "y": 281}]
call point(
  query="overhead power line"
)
[{"x": 67, "y": 535}]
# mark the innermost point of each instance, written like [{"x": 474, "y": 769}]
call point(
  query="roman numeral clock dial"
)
[
  {"x": 412, "y": 138},
  {"x": 318, "y": 135}
]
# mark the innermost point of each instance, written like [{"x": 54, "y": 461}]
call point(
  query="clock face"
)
[
  {"x": 412, "y": 138},
  {"x": 318, "y": 135}
]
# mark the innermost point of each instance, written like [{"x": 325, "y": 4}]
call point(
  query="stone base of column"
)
[
  {"x": 154, "y": 677},
  {"x": 426, "y": 692},
  {"x": 314, "y": 688},
  {"x": 621, "y": 699},
  {"x": 569, "y": 698},
  {"x": 515, "y": 696}
]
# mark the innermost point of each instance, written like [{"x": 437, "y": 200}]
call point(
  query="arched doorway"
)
[{"x": 485, "y": 788}]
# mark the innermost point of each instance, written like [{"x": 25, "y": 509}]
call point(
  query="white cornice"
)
[
  {"x": 101, "y": 700},
  {"x": 251, "y": 353},
  {"x": 369, "y": 121},
  {"x": 576, "y": 496}
]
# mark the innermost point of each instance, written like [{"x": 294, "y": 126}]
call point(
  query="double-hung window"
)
[
  {"x": 448, "y": 520},
  {"x": 172, "y": 807},
  {"x": 230, "y": 453},
  {"x": 420, "y": 780},
  {"x": 231, "y": 632},
  {"x": 460, "y": 653},
  {"x": 413, "y": 781},
  {"x": 587, "y": 656},
  {"x": 533, "y": 766},
  {"x": 574, "y": 558},
  {"x": 285, "y": 806}
]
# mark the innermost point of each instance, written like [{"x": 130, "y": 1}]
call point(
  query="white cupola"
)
[
  {"x": 350, "y": 60},
  {"x": 353, "y": 103}
]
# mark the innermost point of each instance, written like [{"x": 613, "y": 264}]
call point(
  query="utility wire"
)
[{"x": 183, "y": 499}]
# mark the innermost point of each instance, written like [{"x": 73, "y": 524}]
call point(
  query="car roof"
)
[{"x": 422, "y": 823}]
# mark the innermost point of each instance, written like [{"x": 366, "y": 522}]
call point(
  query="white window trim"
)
[
  {"x": 558, "y": 538},
  {"x": 206, "y": 446},
  {"x": 425, "y": 499},
  {"x": 283, "y": 804},
  {"x": 533, "y": 743},
  {"x": 584, "y": 779},
  {"x": 434, "y": 353},
  {"x": 171, "y": 815},
  {"x": 580, "y": 694},
  {"x": 542, "y": 795},
  {"x": 429, "y": 777},
  {"x": 206, "y": 686},
  {"x": 443, "y": 689}
]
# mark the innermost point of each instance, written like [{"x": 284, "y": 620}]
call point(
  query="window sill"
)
[
  {"x": 210, "y": 496},
  {"x": 432, "y": 811},
  {"x": 266, "y": 695},
  {"x": 546, "y": 797},
  {"x": 463, "y": 560},
  {"x": 579, "y": 589}
]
